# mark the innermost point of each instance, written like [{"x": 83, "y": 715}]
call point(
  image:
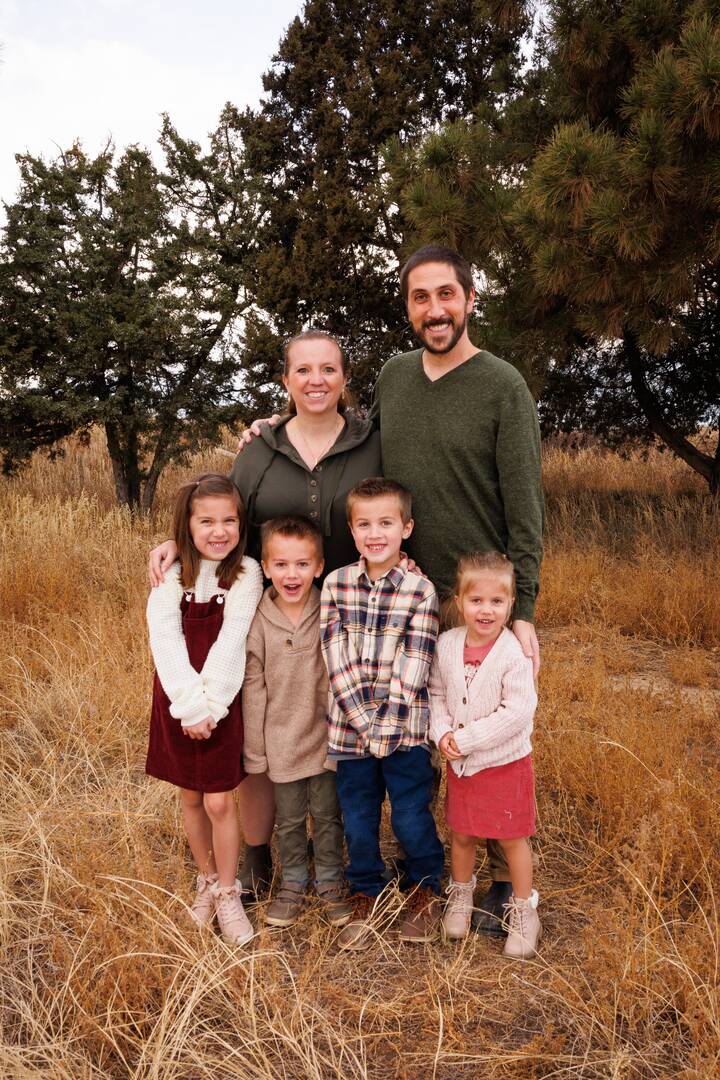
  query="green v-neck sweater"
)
[{"x": 468, "y": 447}]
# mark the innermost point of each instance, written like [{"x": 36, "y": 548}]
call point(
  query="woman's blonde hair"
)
[{"x": 475, "y": 562}]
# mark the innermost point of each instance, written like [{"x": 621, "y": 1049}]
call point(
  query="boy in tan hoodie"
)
[{"x": 284, "y": 703}]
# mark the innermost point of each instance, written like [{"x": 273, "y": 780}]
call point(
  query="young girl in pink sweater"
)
[{"x": 482, "y": 702}]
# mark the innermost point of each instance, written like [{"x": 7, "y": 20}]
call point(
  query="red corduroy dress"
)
[{"x": 206, "y": 765}]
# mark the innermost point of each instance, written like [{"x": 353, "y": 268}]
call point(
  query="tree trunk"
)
[
  {"x": 706, "y": 465},
  {"x": 148, "y": 496},
  {"x": 125, "y": 467}
]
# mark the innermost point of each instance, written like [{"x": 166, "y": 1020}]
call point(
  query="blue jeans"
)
[{"x": 407, "y": 777}]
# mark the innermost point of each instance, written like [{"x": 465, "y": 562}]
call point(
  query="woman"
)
[{"x": 306, "y": 464}]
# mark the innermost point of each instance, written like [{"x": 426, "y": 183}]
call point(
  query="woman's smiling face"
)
[{"x": 315, "y": 378}]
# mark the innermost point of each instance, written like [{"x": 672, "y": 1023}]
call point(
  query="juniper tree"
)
[{"x": 120, "y": 289}]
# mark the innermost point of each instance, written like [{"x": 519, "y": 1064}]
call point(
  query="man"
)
[{"x": 459, "y": 429}]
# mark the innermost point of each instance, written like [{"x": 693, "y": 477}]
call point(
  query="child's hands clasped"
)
[
  {"x": 449, "y": 748},
  {"x": 203, "y": 730}
]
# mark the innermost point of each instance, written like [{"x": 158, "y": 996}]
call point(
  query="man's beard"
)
[{"x": 457, "y": 333}]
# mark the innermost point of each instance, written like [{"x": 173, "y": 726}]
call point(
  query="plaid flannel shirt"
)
[{"x": 378, "y": 639}]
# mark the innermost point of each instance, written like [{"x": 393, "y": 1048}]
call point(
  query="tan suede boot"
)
[
  {"x": 524, "y": 927},
  {"x": 459, "y": 908}
]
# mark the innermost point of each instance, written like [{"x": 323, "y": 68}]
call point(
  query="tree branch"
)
[{"x": 700, "y": 462}]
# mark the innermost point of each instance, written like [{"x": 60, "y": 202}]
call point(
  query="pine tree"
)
[
  {"x": 600, "y": 242},
  {"x": 348, "y": 77},
  {"x": 120, "y": 292}
]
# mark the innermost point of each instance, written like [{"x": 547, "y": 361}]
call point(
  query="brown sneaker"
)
[
  {"x": 356, "y": 935},
  {"x": 287, "y": 905},
  {"x": 524, "y": 927},
  {"x": 337, "y": 908},
  {"x": 202, "y": 909},
  {"x": 422, "y": 918}
]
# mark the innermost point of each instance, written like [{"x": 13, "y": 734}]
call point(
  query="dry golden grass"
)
[{"x": 99, "y": 979}]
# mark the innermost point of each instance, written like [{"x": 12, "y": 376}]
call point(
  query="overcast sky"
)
[{"x": 91, "y": 69}]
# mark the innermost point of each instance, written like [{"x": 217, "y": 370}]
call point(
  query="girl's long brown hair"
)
[{"x": 206, "y": 485}]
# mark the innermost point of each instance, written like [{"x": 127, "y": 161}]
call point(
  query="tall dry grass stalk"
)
[{"x": 100, "y": 979}]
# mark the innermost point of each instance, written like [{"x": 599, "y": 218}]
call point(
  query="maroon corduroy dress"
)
[{"x": 206, "y": 765}]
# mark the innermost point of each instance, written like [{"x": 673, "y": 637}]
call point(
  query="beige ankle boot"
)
[
  {"x": 523, "y": 925},
  {"x": 202, "y": 909},
  {"x": 459, "y": 908},
  {"x": 235, "y": 927}
]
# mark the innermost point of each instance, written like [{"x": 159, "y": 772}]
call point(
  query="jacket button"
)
[
  {"x": 460, "y": 726},
  {"x": 464, "y": 702},
  {"x": 288, "y": 641}
]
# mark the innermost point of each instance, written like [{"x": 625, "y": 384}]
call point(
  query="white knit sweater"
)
[
  {"x": 195, "y": 695},
  {"x": 492, "y": 719}
]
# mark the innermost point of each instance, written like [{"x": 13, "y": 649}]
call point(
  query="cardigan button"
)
[
  {"x": 464, "y": 701},
  {"x": 288, "y": 641}
]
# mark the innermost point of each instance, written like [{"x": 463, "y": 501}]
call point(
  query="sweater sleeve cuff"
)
[
  {"x": 190, "y": 718},
  {"x": 464, "y": 739},
  {"x": 524, "y": 607},
  {"x": 438, "y": 730},
  {"x": 255, "y": 765},
  {"x": 216, "y": 710},
  {"x": 189, "y": 706}
]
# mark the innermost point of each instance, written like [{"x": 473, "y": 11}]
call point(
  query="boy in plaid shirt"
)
[{"x": 378, "y": 625}]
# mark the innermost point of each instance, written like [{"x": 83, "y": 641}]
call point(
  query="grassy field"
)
[{"x": 100, "y": 980}]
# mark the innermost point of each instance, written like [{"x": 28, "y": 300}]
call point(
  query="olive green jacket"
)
[{"x": 274, "y": 480}]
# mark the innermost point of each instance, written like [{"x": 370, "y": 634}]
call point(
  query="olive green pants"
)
[{"x": 314, "y": 795}]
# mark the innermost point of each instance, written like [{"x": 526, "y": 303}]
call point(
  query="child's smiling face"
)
[
  {"x": 292, "y": 563},
  {"x": 378, "y": 530},
  {"x": 215, "y": 526},
  {"x": 485, "y": 604}
]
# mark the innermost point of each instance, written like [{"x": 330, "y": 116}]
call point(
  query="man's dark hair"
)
[
  {"x": 375, "y": 487},
  {"x": 437, "y": 253}
]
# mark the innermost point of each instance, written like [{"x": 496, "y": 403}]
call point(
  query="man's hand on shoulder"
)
[
  {"x": 525, "y": 633},
  {"x": 161, "y": 557},
  {"x": 255, "y": 429}
]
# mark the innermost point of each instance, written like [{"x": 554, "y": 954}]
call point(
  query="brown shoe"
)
[
  {"x": 422, "y": 918},
  {"x": 356, "y": 935},
  {"x": 287, "y": 905},
  {"x": 337, "y": 906}
]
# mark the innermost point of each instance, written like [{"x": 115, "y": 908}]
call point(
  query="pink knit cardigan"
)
[{"x": 492, "y": 719}]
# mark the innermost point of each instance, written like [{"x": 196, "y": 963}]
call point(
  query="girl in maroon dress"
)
[
  {"x": 482, "y": 703},
  {"x": 198, "y": 621}
]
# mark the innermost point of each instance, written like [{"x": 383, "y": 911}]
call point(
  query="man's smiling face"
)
[{"x": 437, "y": 306}]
